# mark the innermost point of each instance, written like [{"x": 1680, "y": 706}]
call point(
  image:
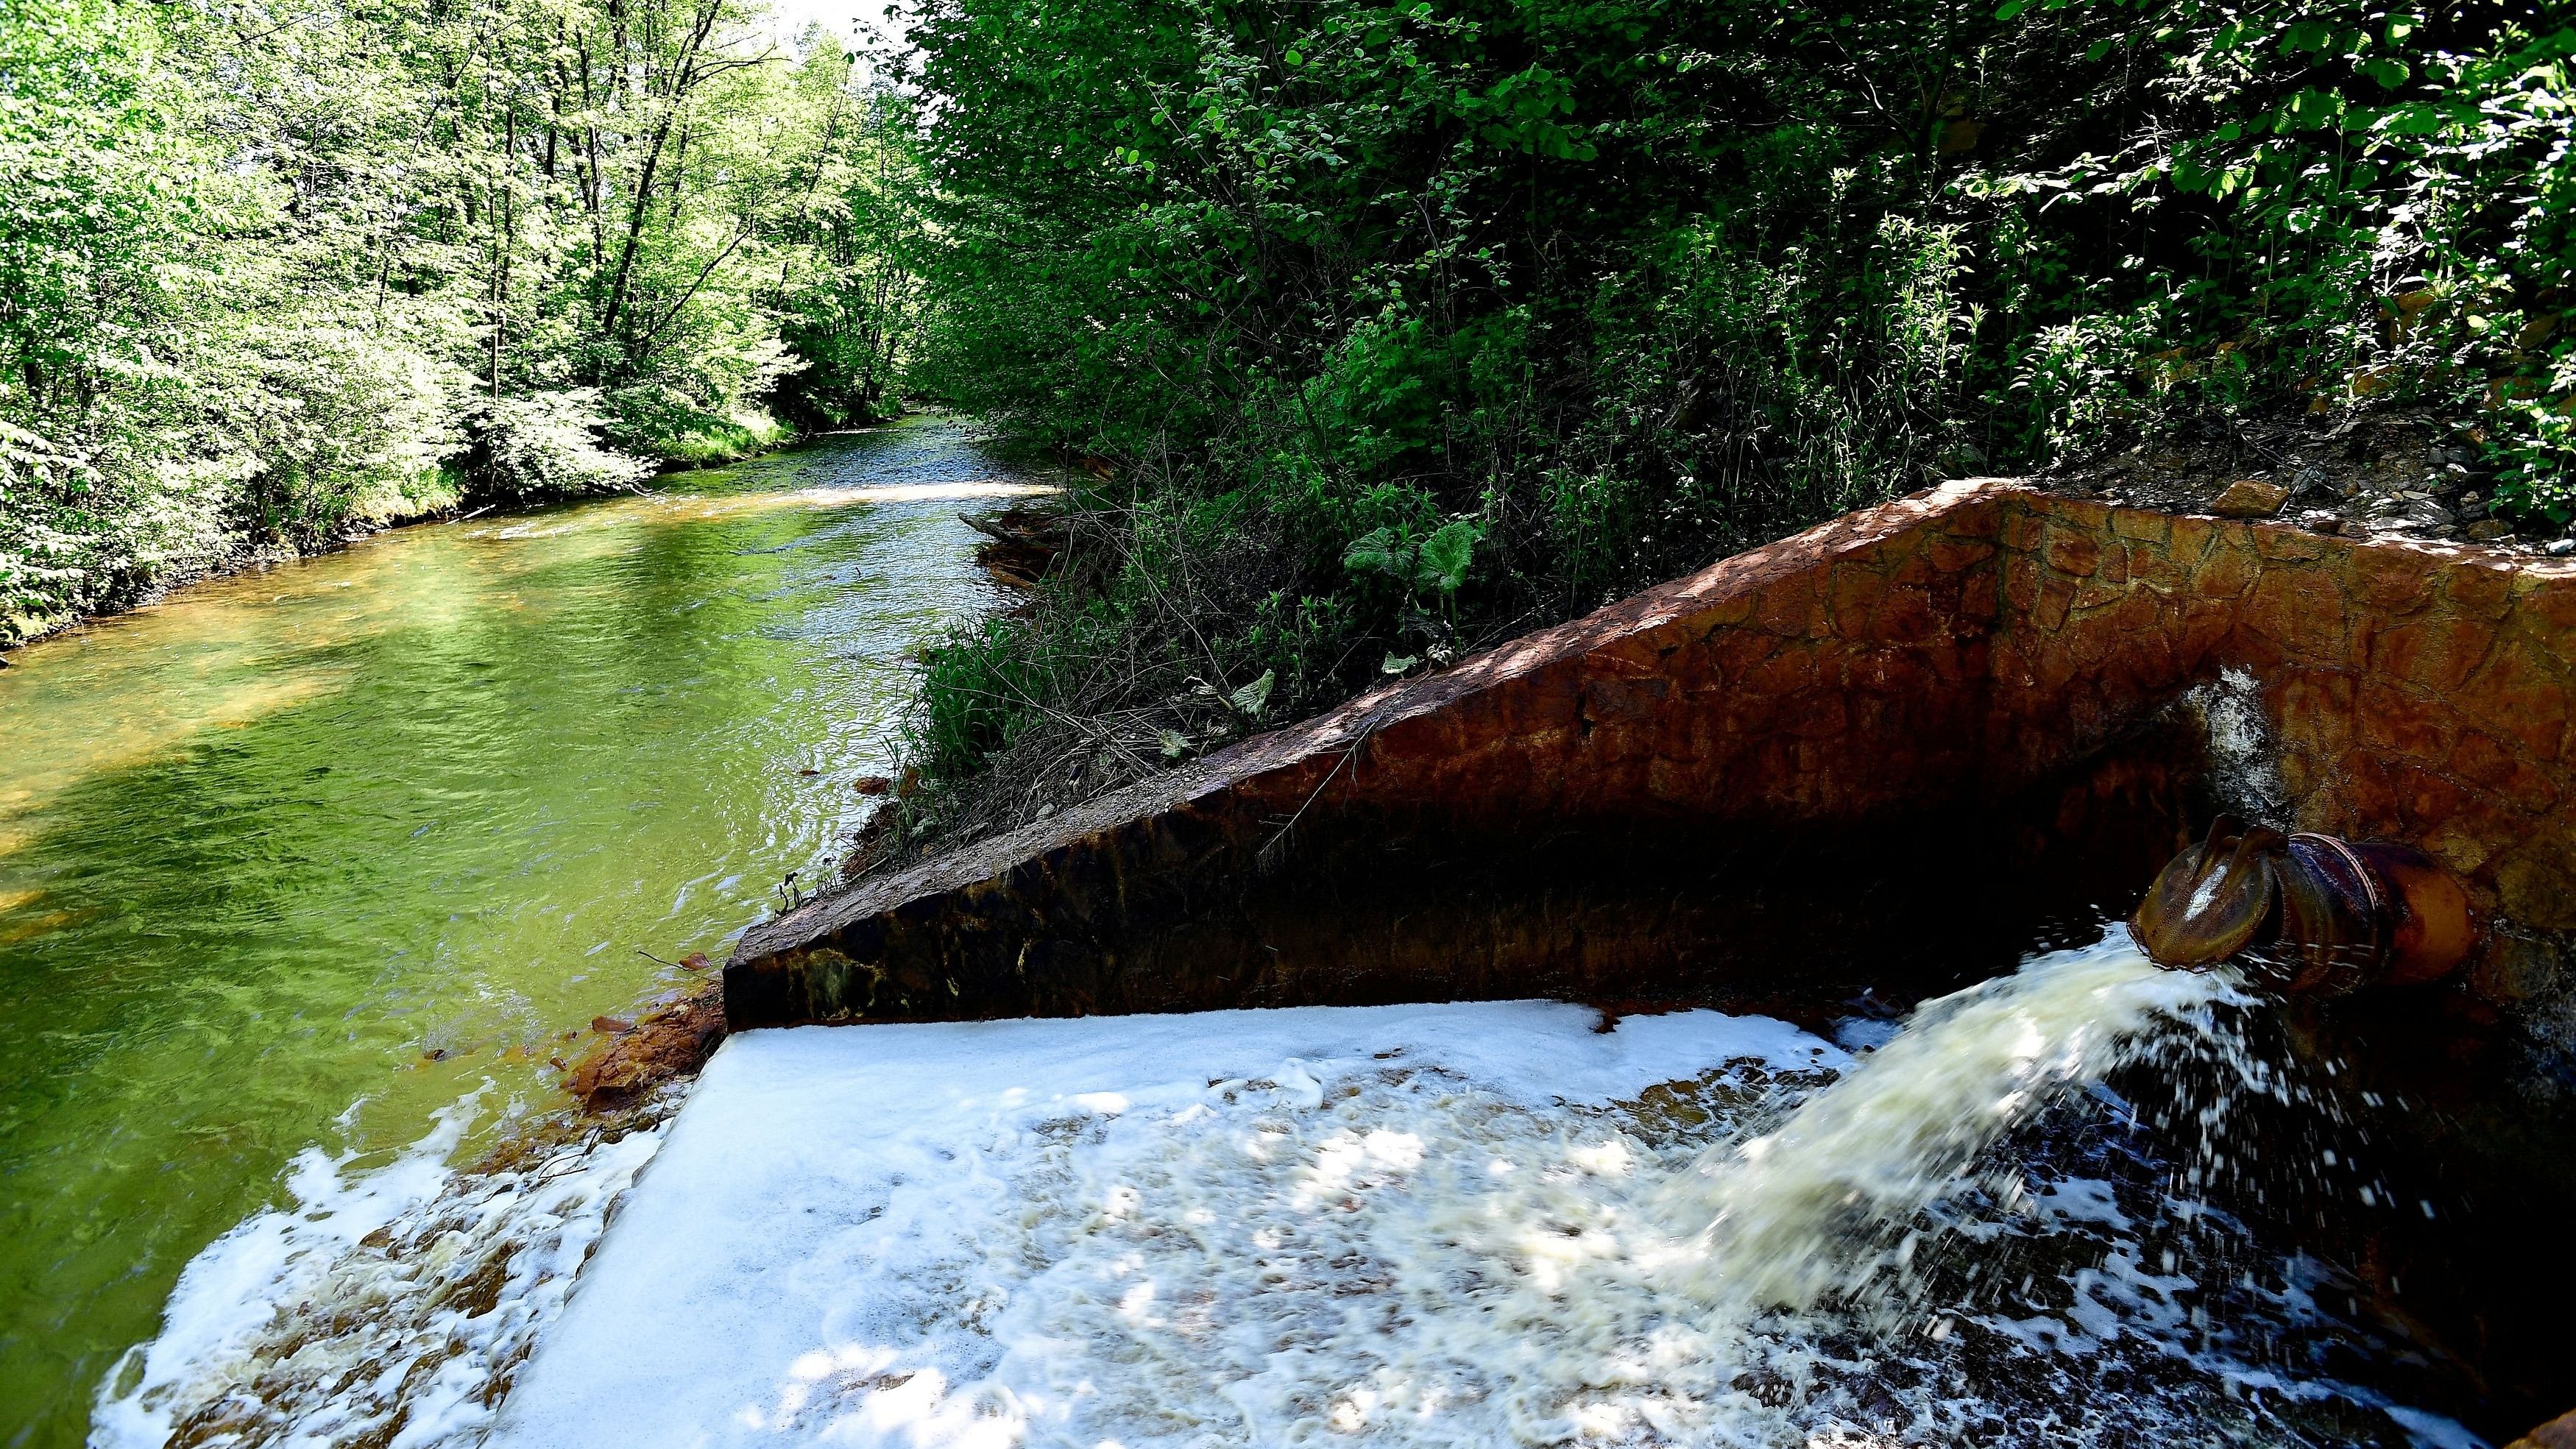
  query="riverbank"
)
[
  {"x": 434, "y": 500},
  {"x": 1174, "y": 625},
  {"x": 302, "y": 857},
  {"x": 699, "y": 444}
]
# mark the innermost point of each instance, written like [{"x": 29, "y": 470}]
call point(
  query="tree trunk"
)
[{"x": 683, "y": 78}]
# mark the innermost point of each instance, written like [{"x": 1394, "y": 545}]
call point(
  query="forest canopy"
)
[
  {"x": 1396, "y": 328},
  {"x": 276, "y": 271},
  {"x": 1370, "y": 332}
]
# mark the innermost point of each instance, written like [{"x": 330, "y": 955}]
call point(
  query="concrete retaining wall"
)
[{"x": 1935, "y": 656}]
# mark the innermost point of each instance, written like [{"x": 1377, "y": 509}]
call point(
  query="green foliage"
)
[
  {"x": 273, "y": 272},
  {"x": 987, "y": 687},
  {"x": 1622, "y": 285},
  {"x": 543, "y": 446},
  {"x": 659, "y": 422},
  {"x": 852, "y": 310},
  {"x": 1435, "y": 566},
  {"x": 2379, "y": 202}
]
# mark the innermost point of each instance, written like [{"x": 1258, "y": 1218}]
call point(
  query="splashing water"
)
[
  {"x": 1807, "y": 1208},
  {"x": 387, "y": 1306},
  {"x": 1454, "y": 1226},
  {"x": 2245, "y": 760}
]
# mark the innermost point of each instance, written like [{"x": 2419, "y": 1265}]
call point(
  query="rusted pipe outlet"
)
[{"x": 2309, "y": 915}]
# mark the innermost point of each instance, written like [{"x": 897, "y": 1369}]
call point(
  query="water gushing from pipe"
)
[{"x": 1827, "y": 1201}]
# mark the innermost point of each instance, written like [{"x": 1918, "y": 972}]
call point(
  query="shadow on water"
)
[{"x": 377, "y": 827}]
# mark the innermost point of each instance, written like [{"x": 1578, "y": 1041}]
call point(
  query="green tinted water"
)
[{"x": 300, "y": 856}]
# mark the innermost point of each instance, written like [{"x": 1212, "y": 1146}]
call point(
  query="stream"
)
[{"x": 295, "y": 860}]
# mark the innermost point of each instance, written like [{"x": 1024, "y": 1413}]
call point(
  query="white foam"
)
[
  {"x": 1443, "y": 1225},
  {"x": 1005, "y": 1231},
  {"x": 396, "y": 1303}
]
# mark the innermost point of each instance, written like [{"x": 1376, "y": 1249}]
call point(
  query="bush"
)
[
  {"x": 542, "y": 446},
  {"x": 661, "y": 423},
  {"x": 1622, "y": 287}
]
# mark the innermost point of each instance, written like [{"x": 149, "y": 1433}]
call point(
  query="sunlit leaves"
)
[
  {"x": 1434, "y": 565},
  {"x": 266, "y": 264}
]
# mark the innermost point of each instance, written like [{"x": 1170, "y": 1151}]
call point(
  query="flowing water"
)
[
  {"x": 1792, "y": 1213},
  {"x": 294, "y": 861},
  {"x": 1464, "y": 1225},
  {"x": 1965, "y": 1237}
]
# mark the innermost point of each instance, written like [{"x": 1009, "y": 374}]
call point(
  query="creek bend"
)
[{"x": 298, "y": 858}]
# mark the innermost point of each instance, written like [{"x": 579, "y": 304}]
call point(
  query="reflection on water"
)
[{"x": 380, "y": 826}]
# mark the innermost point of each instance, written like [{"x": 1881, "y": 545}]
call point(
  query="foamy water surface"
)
[{"x": 1450, "y": 1225}]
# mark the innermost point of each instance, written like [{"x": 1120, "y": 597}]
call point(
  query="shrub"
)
[
  {"x": 542, "y": 446},
  {"x": 1624, "y": 286},
  {"x": 663, "y": 424}
]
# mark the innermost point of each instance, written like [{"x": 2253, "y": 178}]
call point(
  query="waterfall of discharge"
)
[
  {"x": 1827, "y": 1202},
  {"x": 1457, "y": 1226},
  {"x": 1464, "y": 1225}
]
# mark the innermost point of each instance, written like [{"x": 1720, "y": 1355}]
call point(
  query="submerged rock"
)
[{"x": 634, "y": 1060}]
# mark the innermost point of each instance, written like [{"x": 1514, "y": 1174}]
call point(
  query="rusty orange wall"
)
[
  {"x": 2420, "y": 692},
  {"x": 1977, "y": 638},
  {"x": 1830, "y": 675},
  {"x": 1941, "y": 649}
]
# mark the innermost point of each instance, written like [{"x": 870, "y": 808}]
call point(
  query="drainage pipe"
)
[{"x": 2307, "y": 915}]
